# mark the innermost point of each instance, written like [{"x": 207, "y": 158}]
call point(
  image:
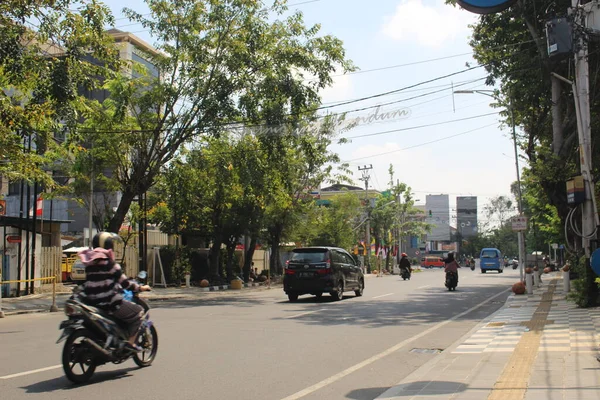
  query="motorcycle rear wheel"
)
[{"x": 78, "y": 356}]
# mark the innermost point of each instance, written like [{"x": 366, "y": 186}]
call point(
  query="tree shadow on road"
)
[
  {"x": 432, "y": 305},
  {"x": 62, "y": 383}
]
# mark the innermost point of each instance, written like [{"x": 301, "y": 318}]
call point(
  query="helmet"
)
[
  {"x": 404, "y": 255},
  {"x": 106, "y": 240}
]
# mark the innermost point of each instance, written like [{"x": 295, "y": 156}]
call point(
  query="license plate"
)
[{"x": 306, "y": 274}]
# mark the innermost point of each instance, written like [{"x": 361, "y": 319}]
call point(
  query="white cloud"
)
[
  {"x": 340, "y": 90},
  {"x": 427, "y": 25}
]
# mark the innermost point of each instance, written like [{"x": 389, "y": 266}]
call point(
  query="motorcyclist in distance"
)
[
  {"x": 450, "y": 265},
  {"x": 404, "y": 263}
]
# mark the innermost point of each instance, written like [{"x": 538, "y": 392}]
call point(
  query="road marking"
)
[
  {"x": 304, "y": 313},
  {"x": 383, "y": 295},
  {"x": 385, "y": 353},
  {"x": 33, "y": 371},
  {"x": 423, "y": 287}
]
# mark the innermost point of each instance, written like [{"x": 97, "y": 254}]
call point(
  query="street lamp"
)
[{"x": 520, "y": 236}]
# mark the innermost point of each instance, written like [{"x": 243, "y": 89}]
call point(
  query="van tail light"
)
[
  {"x": 328, "y": 263},
  {"x": 324, "y": 271},
  {"x": 287, "y": 263},
  {"x": 290, "y": 271}
]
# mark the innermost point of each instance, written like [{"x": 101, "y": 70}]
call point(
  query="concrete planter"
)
[{"x": 236, "y": 284}]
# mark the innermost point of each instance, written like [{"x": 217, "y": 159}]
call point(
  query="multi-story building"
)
[{"x": 132, "y": 50}]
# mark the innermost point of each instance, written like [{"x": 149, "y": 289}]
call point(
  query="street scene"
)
[
  {"x": 255, "y": 344},
  {"x": 299, "y": 199}
]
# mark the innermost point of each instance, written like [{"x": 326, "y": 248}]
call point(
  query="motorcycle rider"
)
[
  {"x": 451, "y": 265},
  {"x": 105, "y": 282},
  {"x": 404, "y": 263}
]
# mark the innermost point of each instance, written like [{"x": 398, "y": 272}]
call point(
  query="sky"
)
[{"x": 441, "y": 142}]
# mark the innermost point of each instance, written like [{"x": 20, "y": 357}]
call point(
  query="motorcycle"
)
[
  {"x": 93, "y": 338},
  {"x": 405, "y": 273},
  {"x": 472, "y": 265},
  {"x": 451, "y": 280},
  {"x": 515, "y": 264}
]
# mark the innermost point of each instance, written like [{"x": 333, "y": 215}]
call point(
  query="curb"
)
[{"x": 226, "y": 287}]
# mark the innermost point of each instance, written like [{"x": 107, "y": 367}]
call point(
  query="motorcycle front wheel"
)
[
  {"x": 148, "y": 341},
  {"x": 78, "y": 358}
]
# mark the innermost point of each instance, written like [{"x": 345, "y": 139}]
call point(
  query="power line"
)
[
  {"x": 422, "y": 126},
  {"x": 421, "y": 144}
]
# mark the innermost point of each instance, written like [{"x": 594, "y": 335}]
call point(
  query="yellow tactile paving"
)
[{"x": 512, "y": 383}]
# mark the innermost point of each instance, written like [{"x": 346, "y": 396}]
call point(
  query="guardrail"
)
[{"x": 53, "y": 307}]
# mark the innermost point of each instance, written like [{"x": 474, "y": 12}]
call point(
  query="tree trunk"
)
[
  {"x": 214, "y": 257},
  {"x": 557, "y": 126},
  {"x": 119, "y": 216},
  {"x": 230, "y": 256},
  {"x": 274, "y": 260},
  {"x": 249, "y": 253}
]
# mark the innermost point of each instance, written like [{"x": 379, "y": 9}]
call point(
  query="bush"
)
[{"x": 580, "y": 294}]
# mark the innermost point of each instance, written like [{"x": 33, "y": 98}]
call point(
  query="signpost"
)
[
  {"x": 519, "y": 223},
  {"x": 13, "y": 239}
]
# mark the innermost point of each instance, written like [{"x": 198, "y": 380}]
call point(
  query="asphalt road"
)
[{"x": 257, "y": 345}]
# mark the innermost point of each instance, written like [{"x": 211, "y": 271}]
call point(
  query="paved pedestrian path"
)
[{"x": 536, "y": 347}]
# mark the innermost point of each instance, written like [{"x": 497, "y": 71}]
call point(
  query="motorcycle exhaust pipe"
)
[{"x": 98, "y": 349}]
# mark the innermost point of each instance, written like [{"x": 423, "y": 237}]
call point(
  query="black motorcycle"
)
[
  {"x": 451, "y": 280},
  {"x": 94, "y": 338},
  {"x": 405, "y": 273}
]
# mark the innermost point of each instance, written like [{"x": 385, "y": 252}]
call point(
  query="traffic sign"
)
[
  {"x": 519, "y": 223},
  {"x": 417, "y": 252},
  {"x": 13, "y": 239}
]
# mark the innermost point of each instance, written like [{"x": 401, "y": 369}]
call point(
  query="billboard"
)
[
  {"x": 437, "y": 212},
  {"x": 466, "y": 216}
]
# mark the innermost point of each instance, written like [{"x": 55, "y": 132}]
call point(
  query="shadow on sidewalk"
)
[{"x": 421, "y": 388}]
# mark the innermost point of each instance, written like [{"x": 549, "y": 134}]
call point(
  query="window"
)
[
  {"x": 489, "y": 254},
  {"x": 310, "y": 256}
]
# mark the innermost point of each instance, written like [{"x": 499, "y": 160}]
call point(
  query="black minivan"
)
[{"x": 316, "y": 270}]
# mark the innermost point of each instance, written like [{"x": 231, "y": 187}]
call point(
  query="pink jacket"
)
[{"x": 452, "y": 267}]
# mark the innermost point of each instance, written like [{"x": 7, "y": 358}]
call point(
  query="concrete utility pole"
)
[
  {"x": 589, "y": 213},
  {"x": 366, "y": 177}
]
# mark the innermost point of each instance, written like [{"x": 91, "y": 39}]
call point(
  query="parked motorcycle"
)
[
  {"x": 93, "y": 338},
  {"x": 451, "y": 280},
  {"x": 405, "y": 273}
]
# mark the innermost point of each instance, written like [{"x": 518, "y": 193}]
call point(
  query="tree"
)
[
  {"x": 337, "y": 225},
  {"x": 43, "y": 48},
  {"x": 221, "y": 64},
  {"x": 499, "y": 209}
]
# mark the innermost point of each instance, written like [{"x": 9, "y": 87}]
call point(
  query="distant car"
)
[
  {"x": 318, "y": 270},
  {"x": 430, "y": 262},
  {"x": 491, "y": 259},
  {"x": 78, "y": 272}
]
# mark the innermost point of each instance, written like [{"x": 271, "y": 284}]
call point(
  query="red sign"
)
[{"x": 13, "y": 239}]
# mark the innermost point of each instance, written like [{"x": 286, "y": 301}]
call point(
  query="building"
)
[
  {"x": 438, "y": 215},
  {"x": 75, "y": 217},
  {"x": 466, "y": 216}
]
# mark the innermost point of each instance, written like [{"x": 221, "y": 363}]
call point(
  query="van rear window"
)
[
  {"x": 309, "y": 256},
  {"x": 489, "y": 254}
]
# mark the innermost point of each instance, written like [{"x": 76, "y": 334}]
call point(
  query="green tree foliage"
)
[
  {"x": 222, "y": 65},
  {"x": 336, "y": 224},
  {"x": 43, "y": 48}
]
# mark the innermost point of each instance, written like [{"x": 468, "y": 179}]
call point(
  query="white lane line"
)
[
  {"x": 385, "y": 353},
  {"x": 423, "y": 287},
  {"x": 33, "y": 371},
  {"x": 304, "y": 313},
  {"x": 383, "y": 295}
]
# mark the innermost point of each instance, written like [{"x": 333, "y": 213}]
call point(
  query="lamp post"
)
[{"x": 520, "y": 236}]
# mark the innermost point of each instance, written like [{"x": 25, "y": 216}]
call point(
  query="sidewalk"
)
[
  {"x": 536, "y": 347},
  {"x": 37, "y": 303}
]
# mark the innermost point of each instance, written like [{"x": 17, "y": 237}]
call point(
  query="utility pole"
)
[
  {"x": 589, "y": 213},
  {"x": 366, "y": 177}
]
